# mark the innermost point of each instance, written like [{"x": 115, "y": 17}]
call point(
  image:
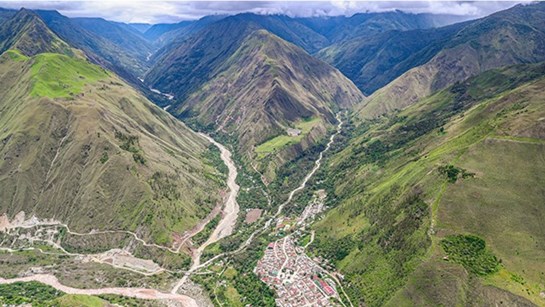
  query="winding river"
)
[
  {"x": 224, "y": 228},
  {"x": 229, "y": 215}
]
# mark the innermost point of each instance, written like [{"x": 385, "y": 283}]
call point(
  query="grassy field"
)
[
  {"x": 461, "y": 168},
  {"x": 16, "y": 55},
  {"x": 55, "y": 75},
  {"x": 277, "y": 143}
]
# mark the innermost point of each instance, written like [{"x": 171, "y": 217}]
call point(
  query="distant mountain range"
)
[
  {"x": 433, "y": 188},
  {"x": 509, "y": 37}
]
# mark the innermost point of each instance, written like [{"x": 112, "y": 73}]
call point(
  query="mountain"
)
[
  {"x": 265, "y": 87},
  {"x": 374, "y": 61},
  {"x": 177, "y": 35},
  {"x": 100, "y": 50},
  {"x": 508, "y": 37},
  {"x": 156, "y": 30},
  {"x": 119, "y": 34},
  {"x": 182, "y": 67},
  {"x": 80, "y": 146},
  {"x": 6, "y": 14},
  {"x": 444, "y": 205},
  {"x": 140, "y": 27},
  {"x": 341, "y": 28},
  {"x": 26, "y": 32}
]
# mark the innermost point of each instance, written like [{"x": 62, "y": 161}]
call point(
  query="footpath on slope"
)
[{"x": 224, "y": 228}]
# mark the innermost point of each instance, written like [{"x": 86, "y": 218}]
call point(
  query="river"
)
[
  {"x": 229, "y": 215},
  {"x": 224, "y": 228}
]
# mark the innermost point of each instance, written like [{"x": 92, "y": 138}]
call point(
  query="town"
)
[{"x": 297, "y": 279}]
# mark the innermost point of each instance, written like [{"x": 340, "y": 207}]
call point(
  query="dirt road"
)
[{"x": 141, "y": 293}]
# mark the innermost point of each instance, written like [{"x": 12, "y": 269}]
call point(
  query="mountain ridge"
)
[{"x": 508, "y": 37}]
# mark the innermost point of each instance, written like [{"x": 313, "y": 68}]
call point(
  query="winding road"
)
[
  {"x": 224, "y": 228},
  {"x": 303, "y": 184}
]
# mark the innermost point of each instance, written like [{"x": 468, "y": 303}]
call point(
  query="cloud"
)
[{"x": 155, "y": 11}]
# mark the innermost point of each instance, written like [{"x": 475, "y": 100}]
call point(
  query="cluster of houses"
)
[{"x": 294, "y": 276}]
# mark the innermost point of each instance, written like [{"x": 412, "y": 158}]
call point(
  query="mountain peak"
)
[{"x": 26, "y": 32}]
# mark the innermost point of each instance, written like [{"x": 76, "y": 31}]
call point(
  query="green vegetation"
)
[
  {"x": 34, "y": 293},
  {"x": 80, "y": 301},
  {"x": 130, "y": 144},
  {"x": 236, "y": 284},
  {"x": 41, "y": 295},
  {"x": 471, "y": 252},
  {"x": 452, "y": 173},
  {"x": 61, "y": 76},
  {"x": 384, "y": 233},
  {"x": 127, "y": 301},
  {"x": 202, "y": 236},
  {"x": 104, "y": 158},
  {"x": 16, "y": 55},
  {"x": 218, "y": 169},
  {"x": 277, "y": 143}
]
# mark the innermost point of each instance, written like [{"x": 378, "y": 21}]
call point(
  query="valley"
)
[{"x": 378, "y": 157}]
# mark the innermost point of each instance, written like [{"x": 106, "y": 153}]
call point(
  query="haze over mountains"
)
[{"x": 403, "y": 152}]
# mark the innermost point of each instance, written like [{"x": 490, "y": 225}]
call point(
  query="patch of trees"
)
[
  {"x": 34, "y": 293},
  {"x": 254, "y": 291},
  {"x": 471, "y": 252},
  {"x": 130, "y": 143},
  {"x": 453, "y": 173}
]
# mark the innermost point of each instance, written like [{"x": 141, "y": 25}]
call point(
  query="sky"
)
[{"x": 154, "y": 11}]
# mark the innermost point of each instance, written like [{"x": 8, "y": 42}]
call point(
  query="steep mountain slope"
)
[
  {"x": 118, "y": 34},
  {"x": 267, "y": 87},
  {"x": 507, "y": 37},
  {"x": 6, "y": 14},
  {"x": 80, "y": 146},
  {"x": 183, "y": 66},
  {"x": 140, "y": 27},
  {"x": 372, "y": 62},
  {"x": 155, "y": 31},
  {"x": 98, "y": 49},
  {"x": 340, "y": 28},
  {"x": 174, "y": 37},
  {"x": 269, "y": 81},
  {"x": 26, "y": 32},
  {"x": 445, "y": 206}
]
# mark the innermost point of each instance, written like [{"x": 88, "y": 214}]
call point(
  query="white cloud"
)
[{"x": 155, "y": 11}]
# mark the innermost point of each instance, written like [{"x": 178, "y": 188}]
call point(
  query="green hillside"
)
[
  {"x": 372, "y": 61},
  {"x": 55, "y": 75},
  {"x": 513, "y": 36},
  {"x": 115, "y": 51},
  {"x": 445, "y": 207},
  {"x": 265, "y": 88},
  {"x": 82, "y": 147}
]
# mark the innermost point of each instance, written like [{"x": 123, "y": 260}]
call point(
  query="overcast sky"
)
[{"x": 174, "y": 11}]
